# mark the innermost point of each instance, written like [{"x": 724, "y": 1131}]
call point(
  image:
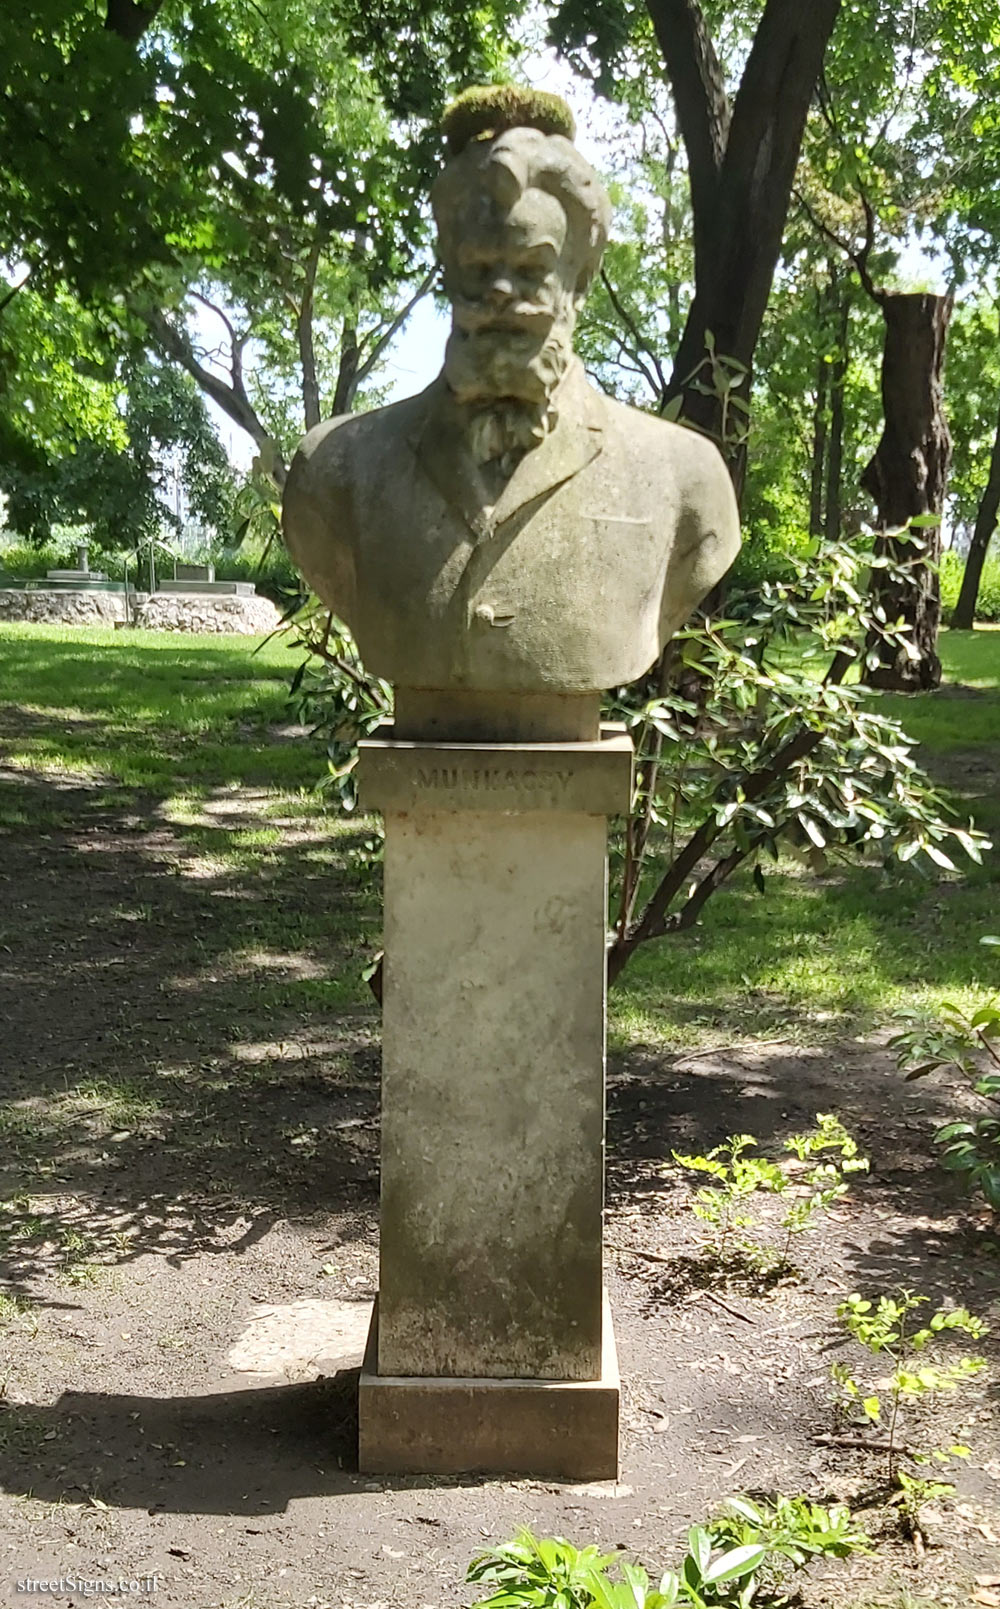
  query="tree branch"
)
[
  {"x": 129, "y": 19},
  {"x": 752, "y": 784},
  {"x": 397, "y": 323},
  {"x": 304, "y": 331},
  {"x": 642, "y": 345},
  {"x": 699, "y": 90},
  {"x": 12, "y": 290},
  {"x": 858, "y": 257},
  {"x": 232, "y": 399}
]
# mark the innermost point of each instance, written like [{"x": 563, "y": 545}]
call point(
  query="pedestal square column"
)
[{"x": 493, "y": 1108}]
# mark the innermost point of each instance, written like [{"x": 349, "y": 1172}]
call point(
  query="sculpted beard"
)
[{"x": 505, "y": 368}]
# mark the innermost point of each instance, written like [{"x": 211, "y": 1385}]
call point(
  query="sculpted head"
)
[{"x": 522, "y": 221}]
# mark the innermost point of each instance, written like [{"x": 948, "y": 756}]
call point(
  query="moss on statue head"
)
[{"x": 489, "y": 109}]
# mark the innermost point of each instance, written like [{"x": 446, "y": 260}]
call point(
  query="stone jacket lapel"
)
[{"x": 444, "y": 457}]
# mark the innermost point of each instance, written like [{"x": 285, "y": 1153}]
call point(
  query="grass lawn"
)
[
  {"x": 815, "y": 958},
  {"x": 190, "y": 719}
]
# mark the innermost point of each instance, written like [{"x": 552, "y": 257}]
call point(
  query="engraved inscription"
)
[{"x": 488, "y": 779}]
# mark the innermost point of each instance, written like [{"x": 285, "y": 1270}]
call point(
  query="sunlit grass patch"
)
[{"x": 17, "y": 1310}]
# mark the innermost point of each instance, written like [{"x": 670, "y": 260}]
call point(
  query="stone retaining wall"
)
[
  {"x": 62, "y": 608},
  {"x": 159, "y": 611}
]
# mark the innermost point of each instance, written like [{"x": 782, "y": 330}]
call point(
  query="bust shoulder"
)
[
  {"x": 674, "y": 459},
  {"x": 329, "y": 453}
]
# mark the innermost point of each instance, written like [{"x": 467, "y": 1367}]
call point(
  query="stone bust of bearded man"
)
[{"x": 510, "y": 538}]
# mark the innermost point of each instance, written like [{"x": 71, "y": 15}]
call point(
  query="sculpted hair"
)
[{"x": 492, "y": 174}]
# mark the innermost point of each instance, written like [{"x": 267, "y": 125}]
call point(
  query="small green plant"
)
[
  {"x": 737, "y": 1176},
  {"x": 17, "y": 1310},
  {"x": 833, "y": 1155},
  {"x": 743, "y": 1553},
  {"x": 793, "y": 1529},
  {"x": 545, "y": 1573},
  {"x": 918, "y": 1371},
  {"x": 826, "y": 1181},
  {"x": 967, "y": 1042}
]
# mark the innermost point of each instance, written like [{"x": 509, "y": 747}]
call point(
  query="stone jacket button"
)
[{"x": 487, "y": 616}]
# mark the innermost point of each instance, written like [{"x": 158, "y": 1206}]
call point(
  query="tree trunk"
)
[
  {"x": 835, "y": 456},
  {"x": 311, "y": 412},
  {"x": 742, "y": 168},
  {"x": 964, "y": 617},
  {"x": 347, "y": 370},
  {"x": 817, "y": 478},
  {"x": 907, "y": 478}
]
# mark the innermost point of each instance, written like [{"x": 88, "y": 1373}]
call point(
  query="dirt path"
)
[{"x": 190, "y": 1142}]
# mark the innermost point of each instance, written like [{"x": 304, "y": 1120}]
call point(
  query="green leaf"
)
[
  {"x": 700, "y": 1547},
  {"x": 737, "y": 1562}
]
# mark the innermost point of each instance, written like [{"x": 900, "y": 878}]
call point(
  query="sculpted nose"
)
[{"x": 501, "y": 287}]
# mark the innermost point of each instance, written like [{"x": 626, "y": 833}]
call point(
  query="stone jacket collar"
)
[{"x": 444, "y": 456}]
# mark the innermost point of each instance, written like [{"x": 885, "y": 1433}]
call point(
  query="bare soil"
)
[{"x": 188, "y": 1143}]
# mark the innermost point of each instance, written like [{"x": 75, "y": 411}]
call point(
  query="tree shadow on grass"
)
[{"x": 187, "y": 1042}]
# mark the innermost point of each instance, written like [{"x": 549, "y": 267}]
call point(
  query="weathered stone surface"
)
[
  {"x": 159, "y": 612},
  {"x": 302, "y": 1340},
  {"x": 236, "y": 616},
  {"x": 183, "y": 587},
  {"x": 512, "y": 529},
  {"x": 463, "y": 717},
  {"x": 588, "y": 778},
  {"x": 565, "y": 1430},
  {"x": 503, "y": 546},
  {"x": 608, "y": 535},
  {"x": 493, "y": 1094}
]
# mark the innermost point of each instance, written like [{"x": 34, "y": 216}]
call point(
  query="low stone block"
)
[{"x": 543, "y": 1429}]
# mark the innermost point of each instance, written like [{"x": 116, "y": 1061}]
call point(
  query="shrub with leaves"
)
[
  {"x": 919, "y": 1369},
  {"x": 752, "y": 743},
  {"x": 736, "y": 1177},
  {"x": 733, "y": 1560},
  {"x": 968, "y": 1043},
  {"x": 826, "y": 1157},
  {"x": 334, "y": 694}
]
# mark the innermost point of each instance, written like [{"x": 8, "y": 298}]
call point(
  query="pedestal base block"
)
[{"x": 545, "y": 1429}]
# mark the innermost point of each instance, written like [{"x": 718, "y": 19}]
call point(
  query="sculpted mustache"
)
[{"x": 473, "y": 316}]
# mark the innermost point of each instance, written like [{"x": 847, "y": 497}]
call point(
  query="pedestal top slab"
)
[{"x": 592, "y": 779}]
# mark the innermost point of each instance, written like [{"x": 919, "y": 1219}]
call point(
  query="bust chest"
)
[{"x": 564, "y": 595}]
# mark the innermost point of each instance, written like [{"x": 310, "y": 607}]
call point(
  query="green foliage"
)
[
  {"x": 261, "y": 166},
  {"x": 988, "y": 599},
  {"x": 488, "y": 109},
  {"x": 336, "y": 696},
  {"x": 97, "y": 435},
  {"x": 966, "y": 1042},
  {"x": 736, "y": 1176},
  {"x": 736, "y": 1558},
  {"x": 757, "y": 744},
  {"x": 794, "y": 1529},
  {"x": 815, "y": 1184},
  {"x": 918, "y": 1369},
  {"x": 822, "y": 1182}
]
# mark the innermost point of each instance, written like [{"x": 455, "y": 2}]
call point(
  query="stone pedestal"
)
[{"x": 490, "y": 1349}]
